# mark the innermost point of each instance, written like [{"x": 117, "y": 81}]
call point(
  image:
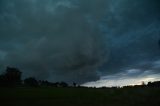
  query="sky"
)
[{"x": 91, "y": 42}]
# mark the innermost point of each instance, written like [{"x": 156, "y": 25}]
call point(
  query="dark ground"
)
[{"x": 79, "y": 97}]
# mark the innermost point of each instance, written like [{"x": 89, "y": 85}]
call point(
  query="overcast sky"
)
[{"x": 96, "y": 42}]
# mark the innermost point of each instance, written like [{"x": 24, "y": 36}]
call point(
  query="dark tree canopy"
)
[
  {"x": 11, "y": 77},
  {"x": 31, "y": 81}
]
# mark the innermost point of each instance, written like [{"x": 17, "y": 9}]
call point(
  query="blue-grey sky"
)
[{"x": 84, "y": 41}]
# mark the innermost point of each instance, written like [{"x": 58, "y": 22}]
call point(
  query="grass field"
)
[{"x": 79, "y": 97}]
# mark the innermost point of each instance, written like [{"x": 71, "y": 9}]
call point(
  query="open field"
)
[{"x": 79, "y": 97}]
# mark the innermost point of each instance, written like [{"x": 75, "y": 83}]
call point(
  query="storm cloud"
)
[
  {"x": 79, "y": 40},
  {"x": 54, "y": 40}
]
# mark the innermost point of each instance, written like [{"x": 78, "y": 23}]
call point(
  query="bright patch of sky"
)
[{"x": 122, "y": 81}]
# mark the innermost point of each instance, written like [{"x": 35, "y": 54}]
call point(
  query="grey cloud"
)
[
  {"x": 134, "y": 33},
  {"x": 71, "y": 39},
  {"x": 52, "y": 39}
]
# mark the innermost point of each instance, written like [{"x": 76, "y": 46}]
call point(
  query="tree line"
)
[{"x": 13, "y": 77}]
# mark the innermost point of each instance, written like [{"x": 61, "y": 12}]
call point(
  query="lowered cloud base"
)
[{"x": 79, "y": 40}]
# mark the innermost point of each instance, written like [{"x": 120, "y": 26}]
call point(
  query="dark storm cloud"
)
[
  {"x": 70, "y": 39},
  {"x": 134, "y": 30},
  {"x": 54, "y": 39}
]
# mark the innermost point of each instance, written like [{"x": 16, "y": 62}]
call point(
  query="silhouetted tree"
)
[
  {"x": 2, "y": 80},
  {"x": 154, "y": 84},
  {"x": 47, "y": 83},
  {"x": 57, "y": 84},
  {"x": 12, "y": 77},
  {"x": 43, "y": 83},
  {"x": 143, "y": 83},
  {"x": 31, "y": 82},
  {"x": 63, "y": 84},
  {"x": 74, "y": 84}
]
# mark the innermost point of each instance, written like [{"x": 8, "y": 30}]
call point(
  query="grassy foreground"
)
[{"x": 79, "y": 97}]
